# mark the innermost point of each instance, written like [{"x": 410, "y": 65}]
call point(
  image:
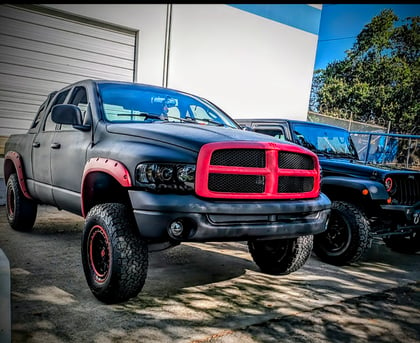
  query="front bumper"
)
[
  {"x": 407, "y": 216},
  {"x": 221, "y": 220}
]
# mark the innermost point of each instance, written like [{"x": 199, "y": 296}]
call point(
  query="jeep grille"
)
[
  {"x": 406, "y": 189},
  {"x": 245, "y": 170}
]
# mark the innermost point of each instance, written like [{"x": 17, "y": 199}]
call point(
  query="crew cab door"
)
[
  {"x": 41, "y": 186},
  {"x": 68, "y": 156}
]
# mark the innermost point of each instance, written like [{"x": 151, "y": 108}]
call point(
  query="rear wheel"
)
[
  {"x": 347, "y": 237},
  {"x": 281, "y": 256},
  {"x": 404, "y": 244},
  {"x": 114, "y": 257},
  {"x": 21, "y": 211}
]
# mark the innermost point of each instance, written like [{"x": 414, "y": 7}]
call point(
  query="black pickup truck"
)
[
  {"x": 368, "y": 200},
  {"x": 149, "y": 168}
]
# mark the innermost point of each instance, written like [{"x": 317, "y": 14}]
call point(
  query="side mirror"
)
[{"x": 68, "y": 115}]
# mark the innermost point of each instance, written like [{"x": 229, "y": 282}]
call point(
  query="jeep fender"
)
[
  {"x": 14, "y": 158},
  {"x": 113, "y": 168},
  {"x": 367, "y": 189}
]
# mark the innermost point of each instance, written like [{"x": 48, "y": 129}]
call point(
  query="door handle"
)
[
  {"x": 36, "y": 144},
  {"x": 55, "y": 145}
]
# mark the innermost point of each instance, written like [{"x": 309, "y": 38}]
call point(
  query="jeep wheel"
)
[
  {"x": 281, "y": 256},
  {"x": 347, "y": 236},
  {"x": 21, "y": 211},
  {"x": 114, "y": 257},
  {"x": 404, "y": 244}
]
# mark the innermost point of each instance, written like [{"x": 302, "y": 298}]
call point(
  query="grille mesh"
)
[
  {"x": 291, "y": 160},
  {"x": 295, "y": 184},
  {"x": 239, "y": 157},
  {"x": 406, "y": 189},
  {"x": 233, "y": 183},
  {"x": 266, "y": 170}
]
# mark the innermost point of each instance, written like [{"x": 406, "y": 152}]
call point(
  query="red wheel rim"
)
[
  {"x": 10, "y": 203},
  {"x": 99, "y": 253}
]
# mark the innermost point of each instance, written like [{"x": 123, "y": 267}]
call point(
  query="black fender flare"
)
[{"x": 370, "y": 189}]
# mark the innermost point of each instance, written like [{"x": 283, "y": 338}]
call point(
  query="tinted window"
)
[
  {"x": 49, "y": 124},
  {"x": 78, "y": 98},
  {"x": 330, "y": 140},
  {"x": 134, "y": 103}
]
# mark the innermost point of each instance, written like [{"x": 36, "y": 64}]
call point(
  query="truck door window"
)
[
  {"x": 49, "y": 124},
  {"x": 78, "y": 98},
  {"x": 278, "y": 132}
]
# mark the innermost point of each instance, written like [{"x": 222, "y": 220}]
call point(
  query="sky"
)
[{"x": 341, "y": 23}]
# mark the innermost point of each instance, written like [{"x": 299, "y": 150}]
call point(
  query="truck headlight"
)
[{"x": 166, "y": 177}]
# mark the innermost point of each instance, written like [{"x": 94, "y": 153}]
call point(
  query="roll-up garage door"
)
[{"x": 42, "y": 50}]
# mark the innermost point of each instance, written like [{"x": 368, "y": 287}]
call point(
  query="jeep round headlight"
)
[
  {"x": 166, "y": 177},
  {"x": 388, "y": 184}
]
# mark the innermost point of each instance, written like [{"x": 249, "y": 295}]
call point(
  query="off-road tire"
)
[
  {"x": 347, "y": 237},
  {"x": 114, "y": 257},
  {"x": 281, "y": 256},
  {"x": 404, "y": 244},
  {"x": 21, "y": 211}
]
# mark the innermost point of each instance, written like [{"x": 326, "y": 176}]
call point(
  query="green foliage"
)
[{"x": 378, "y": 79}]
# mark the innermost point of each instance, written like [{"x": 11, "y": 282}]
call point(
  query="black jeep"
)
[{"x": 368, "y": 200}]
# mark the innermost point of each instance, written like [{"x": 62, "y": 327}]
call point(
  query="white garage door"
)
[{"x": 42, "y": 51}]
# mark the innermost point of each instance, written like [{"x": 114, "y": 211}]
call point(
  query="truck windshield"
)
[
  {"x": 327, "y": 140},
  {"x": 139, "y": 103}
]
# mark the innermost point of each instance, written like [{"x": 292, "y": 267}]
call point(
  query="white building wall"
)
[
  {"x": 245, "y": 63},
  {"x": 248, "y": 65}
]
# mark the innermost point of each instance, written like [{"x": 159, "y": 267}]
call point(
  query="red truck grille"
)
[{"x": 262, "y": 170}]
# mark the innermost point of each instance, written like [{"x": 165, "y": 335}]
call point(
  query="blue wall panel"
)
[{"x": 300, "y": 16}]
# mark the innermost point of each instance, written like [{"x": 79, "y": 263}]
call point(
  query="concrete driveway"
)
[{"x": 209, "y": 292}]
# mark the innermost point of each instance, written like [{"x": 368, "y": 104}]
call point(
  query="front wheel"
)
[
  {"x": 347, "y": 237},
  {"x": 404, "y": 244},
  {"x": 21, "y": 211},
  {"x": 281, "y": 256},
  {"x": 114, "y": 257}
]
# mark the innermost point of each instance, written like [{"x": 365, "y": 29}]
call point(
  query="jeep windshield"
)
[
  {"x": 329, "y": 141},
  {"x": 136, "y": 103}
]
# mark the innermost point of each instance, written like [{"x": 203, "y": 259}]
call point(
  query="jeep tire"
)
[
  {"x": 404, "y": 244},
  {"x": 347, "y": 237},
  {"x": 21, "y": 211},
  {"x": 114, "y": 257},
  {"x": 281, "y": 256}
]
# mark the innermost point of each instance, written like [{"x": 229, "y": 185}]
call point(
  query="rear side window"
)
[
  {"x": 38, "y": 117},
  {"x": 40, "y": 112}
]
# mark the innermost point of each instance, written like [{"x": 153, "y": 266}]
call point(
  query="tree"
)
[{"x": 378, "y": 79}]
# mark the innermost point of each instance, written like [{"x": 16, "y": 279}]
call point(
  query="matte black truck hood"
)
[{"x": 187, "y": 135}]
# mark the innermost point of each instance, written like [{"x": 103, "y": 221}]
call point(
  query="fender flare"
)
[
  {"x": 114, "y": 168},
  {"x": 376, "y": 189},
  {"x": 16, "y": 159}
]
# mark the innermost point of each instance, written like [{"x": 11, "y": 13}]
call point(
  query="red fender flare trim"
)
[
  {"x": 114, "y": 168},
  {"x": 17, "y": 162}
]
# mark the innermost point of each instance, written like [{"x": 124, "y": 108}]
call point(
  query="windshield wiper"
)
[
  {"x": 195, "y": 120},
  {"x": 143, "y": 114},
  {"x": 166, "y": 118},
  {"x": 334, "y": 154}
]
